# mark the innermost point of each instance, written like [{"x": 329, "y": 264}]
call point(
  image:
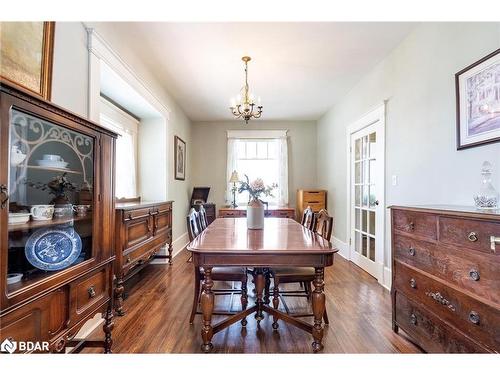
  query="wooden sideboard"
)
[
  {"x": 64, "y": 286},
  {"x": 446, "y": 278},
  {"x": 316, "y": 199},
  {"x": 141, "y": 230},
  {"x": 286, "y": 212}
]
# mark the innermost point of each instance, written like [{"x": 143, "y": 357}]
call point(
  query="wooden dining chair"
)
[
  {"x": 308, "y": 218},
  {"x": 237, "y": 274},
  {"x": 323, "y": 225}
]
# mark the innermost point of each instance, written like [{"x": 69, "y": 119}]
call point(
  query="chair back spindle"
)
[{"x": 308, "y": 218}]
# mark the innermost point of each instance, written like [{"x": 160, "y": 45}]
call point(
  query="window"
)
[
  {"x": 265, "y": 157},
  {"x": 126, "y": 126}
]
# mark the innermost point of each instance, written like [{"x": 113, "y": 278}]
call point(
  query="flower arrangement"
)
[{"x": 256, "y": 188}]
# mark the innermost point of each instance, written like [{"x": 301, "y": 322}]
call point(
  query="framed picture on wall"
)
[
  {"x": 179, "y": 158},
  {"x": 478, "y": 102},
  {"x": 26, "y": 51}
]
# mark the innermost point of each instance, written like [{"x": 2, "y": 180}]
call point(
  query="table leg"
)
[
  {"x": 318, "y": 305},
  {"x": 207, "y": 307},
  {"x": 259, "y": 289}
]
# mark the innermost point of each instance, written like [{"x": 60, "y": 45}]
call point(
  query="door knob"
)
[{"x": 376, "y": 202}]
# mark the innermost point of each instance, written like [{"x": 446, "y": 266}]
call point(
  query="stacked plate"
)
[{"x": 52, "y": 164}]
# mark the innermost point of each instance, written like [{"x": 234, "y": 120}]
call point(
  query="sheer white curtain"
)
[{"x": 279, "y": 138}]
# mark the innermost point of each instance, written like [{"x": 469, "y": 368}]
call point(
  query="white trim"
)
[
  {"x": 342, "y": 246},
  {"x": 99, "y": 49},
  {"x": 257, "y": 134},
  {"x": 387, "y": 282},
  {"x": 376, "y": 115}
]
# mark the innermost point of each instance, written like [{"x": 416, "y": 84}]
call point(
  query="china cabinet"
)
[{"x": 56, "y": 223}]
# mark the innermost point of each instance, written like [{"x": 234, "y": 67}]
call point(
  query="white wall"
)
[
  {"x": 70, "y": 90},
  {"x": 417, "y": 79},
  {"x": 210, "y": 155}
]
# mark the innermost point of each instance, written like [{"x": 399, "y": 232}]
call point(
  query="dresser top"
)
[
  {"x": 141, "y": 204},
  {"x": 455, "y": 209}
]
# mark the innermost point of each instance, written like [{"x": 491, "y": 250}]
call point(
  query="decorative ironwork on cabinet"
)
[{"x": 57, "y": 212}]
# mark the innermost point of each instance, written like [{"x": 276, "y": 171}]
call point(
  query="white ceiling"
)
[{"x": 298, "y": 69}]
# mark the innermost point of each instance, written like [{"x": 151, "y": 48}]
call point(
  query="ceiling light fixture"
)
[{"x": 244, "y": 106}]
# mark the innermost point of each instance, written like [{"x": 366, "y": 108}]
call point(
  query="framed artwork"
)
[
  {"x": 180, "y": 158},
  {"x": 478, "y": 102},
  {"x": 26, "y": 51}
]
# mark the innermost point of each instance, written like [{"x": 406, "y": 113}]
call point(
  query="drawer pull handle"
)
[
  {"x": 474, "y": 317},
  {"x": 494, "y": 241},
  {"x": 474, "y": 275},
  {"x": 91, "y": 291},
  {"x": 413, "y": 319},
  {"x": 472, "y": 237},
  {"x": 128, "y": 259},
  {"x": 411, "y": 251},
  {"x": 411, "y": 226},
  {"x": 438, "y": 297},
  {"x": 413, "y": 283}
]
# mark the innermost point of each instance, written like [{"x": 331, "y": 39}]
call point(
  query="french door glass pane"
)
[
  {"x": 51, "y": 186},
  {"x": 373, "y": 144},
  {"x": 357, "y": 241},
  {"x": 371, "y": 223},
  {"x": 364, "y": 245},
  {"x": 363, "y": 221},
  {"x": 371, "y": 248},
  {"x": 357, "y": 149}
]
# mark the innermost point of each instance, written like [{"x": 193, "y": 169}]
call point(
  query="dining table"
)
[{"x": 283, "y": 242}]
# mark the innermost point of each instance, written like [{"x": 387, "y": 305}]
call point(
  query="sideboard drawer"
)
[
  {"x": 232, "y": 213},
  {"x": 429, "y": 331},
  {"x": 137, "y": 213},
  {"x": 89, "y": 292},
  {"x": 39, "y": 320},
  {"x": 465, "y": 269},
  {"x": 416, "y": 223},
  {"x": 311, "y": 197},
  {"x": 472, "y": 234},
  {"x": 282, "y": 213},
  {"x": 473, "y": 317},
  {"x": 137, "y": 231}
]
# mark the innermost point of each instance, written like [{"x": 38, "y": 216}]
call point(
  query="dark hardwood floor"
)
[{"x": 158, "y": 307}]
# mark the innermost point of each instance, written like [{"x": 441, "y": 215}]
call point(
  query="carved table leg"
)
[
  {"x": 170, "y": 254},
  {"x": 267, "y": 286},
  {"x": 276, "y": 301},
  {"x": 207, "y": 307},
  {"x": 107, "y": 328},
  {"x": 259, "y": 288},
  {"x": 318, "y": 305},
  {"x": 244, "y": 300},
  {"x": 119, "y": 290}
]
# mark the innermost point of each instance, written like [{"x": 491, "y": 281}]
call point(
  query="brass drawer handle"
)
[
  {"x": 474, "y": 274},
  {"x": 438, "y": 297},
  {"x": 411, "y": 226},
  {"x": 413, "y": 319},
  {"x": 413, "y": 283},
  {"x": 411, "y": 251},
  {"x": 128, "y": 259},
  {"x": 472, "y": 237},
  {"x": 91, "y": 292},
  {"x": 474, "y": 317},
  {"x": 494, "y": 241}
]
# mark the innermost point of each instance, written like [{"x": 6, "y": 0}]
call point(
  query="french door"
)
[{"x": 367, "y": 194}]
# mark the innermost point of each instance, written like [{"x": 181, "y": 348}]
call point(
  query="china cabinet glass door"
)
[{"x": 51, "y": 184}]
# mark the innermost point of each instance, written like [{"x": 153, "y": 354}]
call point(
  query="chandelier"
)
[{"x": 244, "y": 106}]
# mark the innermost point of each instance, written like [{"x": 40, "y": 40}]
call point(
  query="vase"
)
[
  {"x": 255, "y": 214},
  {"x": 487, "y": 197}
]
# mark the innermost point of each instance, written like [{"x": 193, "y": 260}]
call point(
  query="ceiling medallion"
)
[{"x": 244, "y": 106}]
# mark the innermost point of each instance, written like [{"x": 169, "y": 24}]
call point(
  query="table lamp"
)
[{"x": 234, "y": 179}]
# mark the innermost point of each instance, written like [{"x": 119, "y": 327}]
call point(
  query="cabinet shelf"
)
[
  {"x": 46, "y": 223},
  {"x": 64, "y": 170}
]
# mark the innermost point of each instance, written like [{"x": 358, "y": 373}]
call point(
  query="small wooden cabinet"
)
[
  {"x": 285, "y": 212},
  {"x": 446, "y": 278},
  {"x": 316, "y": 199},
  {"x": 141, "y": 230}
]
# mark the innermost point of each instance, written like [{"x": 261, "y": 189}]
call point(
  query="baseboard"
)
[
  {"x": 342, "y": 246},
  {"x": 387, "y": 282},
  {"x": 177, "y": 246}
]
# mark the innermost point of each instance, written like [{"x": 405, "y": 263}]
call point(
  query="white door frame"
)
[{"x": 377, "y": 115}]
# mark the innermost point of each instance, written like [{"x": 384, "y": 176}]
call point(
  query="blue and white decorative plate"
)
[{"x": 53, "y": 249}]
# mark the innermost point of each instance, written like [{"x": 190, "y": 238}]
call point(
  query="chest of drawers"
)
[
  {"x": 316, "y": 199},
  {"x": 446, "y": 278},
  {"x": 141, "y": 230}
]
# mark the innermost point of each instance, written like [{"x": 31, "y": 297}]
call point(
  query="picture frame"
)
[
  {"x": 477, "y": 90},
  {"x": 179, "y": 159},
  {"x": 33, "y": 71}
]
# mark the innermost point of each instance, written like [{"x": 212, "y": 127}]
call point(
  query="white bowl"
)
[
  {"x": 13, "y": 278},
  {"x": 19, "y": 217}
]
